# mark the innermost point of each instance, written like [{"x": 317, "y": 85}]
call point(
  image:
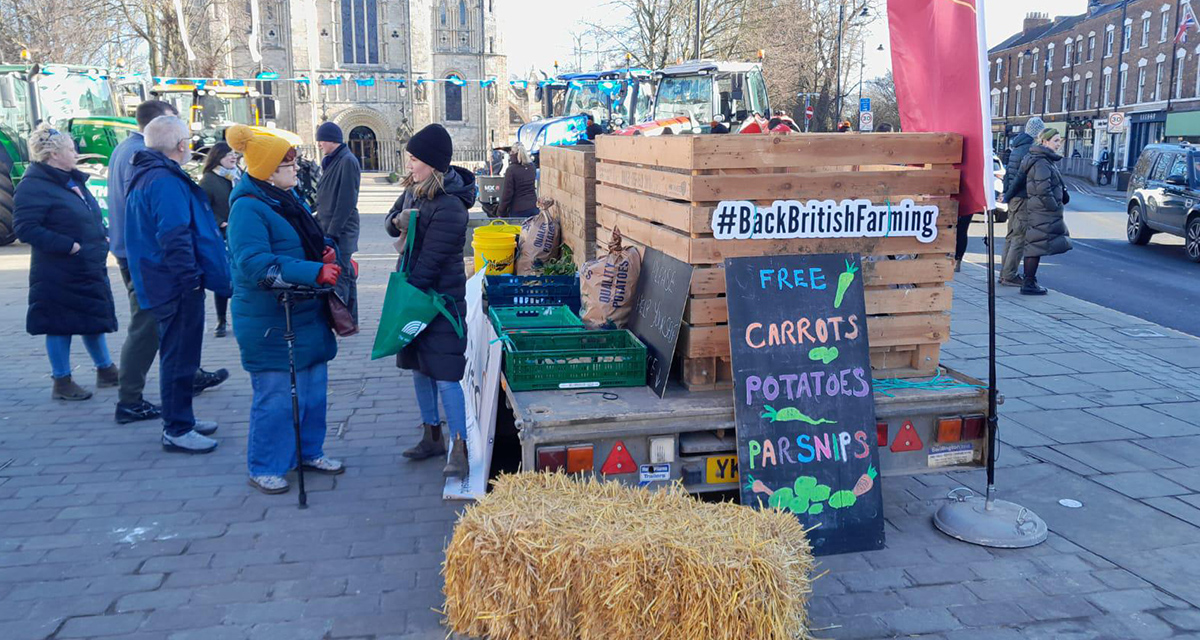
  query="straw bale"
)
[{"x": 553, "y": 557}]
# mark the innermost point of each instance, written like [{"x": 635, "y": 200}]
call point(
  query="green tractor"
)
[{"x": 80, "y": 101}]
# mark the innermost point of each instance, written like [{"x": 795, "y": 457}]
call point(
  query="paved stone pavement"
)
[{"x": 104, "y": 535}]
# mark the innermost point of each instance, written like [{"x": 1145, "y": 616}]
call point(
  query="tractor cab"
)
[
  {"x": 614, "y": 99},
  {"x": 210, "y": 108},
  {"x": 691, "y": 97}
]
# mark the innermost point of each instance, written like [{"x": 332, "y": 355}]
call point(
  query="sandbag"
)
[
  {"x": 607, "y": 286},
  {"x": 541, "y": 236}
]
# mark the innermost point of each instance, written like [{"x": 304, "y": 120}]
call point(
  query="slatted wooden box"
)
[
  {"x": 661, "y": 191},
  {"x": 568, "y": 174}
]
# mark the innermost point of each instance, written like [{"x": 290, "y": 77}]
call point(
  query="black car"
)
[{"x": 1164, "y": 196}]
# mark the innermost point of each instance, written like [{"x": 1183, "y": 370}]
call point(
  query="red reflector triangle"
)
[
  {"x": 907, "y": 439},
  {"x": 619, "y": 461}
]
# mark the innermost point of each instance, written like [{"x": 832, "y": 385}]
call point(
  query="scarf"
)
[
  {"x": 232, "y": 175},
  {"x": 327, "y": 160},
  {"x": 296, "y": 215}
]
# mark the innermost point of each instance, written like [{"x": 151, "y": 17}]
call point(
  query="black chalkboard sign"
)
[
  {"x": 658, "y": 312},
  {"x": 805, "y": 408}
]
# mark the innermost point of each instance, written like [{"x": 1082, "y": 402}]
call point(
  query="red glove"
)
[
  {"x": 329, "y": 256},
  {"x": 354, "y": 263},
  {"x": 329, "y": 275}
]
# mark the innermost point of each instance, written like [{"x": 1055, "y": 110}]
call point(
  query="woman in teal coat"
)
[{"x": 270, "y": 230}]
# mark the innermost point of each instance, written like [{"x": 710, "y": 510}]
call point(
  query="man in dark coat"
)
[
  {"x": 175, "y": 252},
  {"x": 1014, "y": 241},
  {"x": 337, "y": 207},
  {"x": 141, "y": 334}
]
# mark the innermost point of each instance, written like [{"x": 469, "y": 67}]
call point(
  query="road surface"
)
[{"x": 1155, "y": 282}]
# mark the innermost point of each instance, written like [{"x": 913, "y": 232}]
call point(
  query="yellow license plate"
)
[{"x": 721, "y": 469}]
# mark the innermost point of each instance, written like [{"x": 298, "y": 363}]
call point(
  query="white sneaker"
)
[
  {"x": 270, "y": 485},
  {"x": 205, "y": 427},
  {"x": 327, "y": 466},
  {"x": 190, "y": 442}
]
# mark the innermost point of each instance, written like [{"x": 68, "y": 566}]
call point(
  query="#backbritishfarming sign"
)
[{"x": 791, "y": 219}]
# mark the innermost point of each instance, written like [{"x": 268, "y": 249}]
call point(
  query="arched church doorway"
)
[{"x": 365, "y": 147}]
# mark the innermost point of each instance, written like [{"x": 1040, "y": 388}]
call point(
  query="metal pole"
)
[
  {"x": 1112, "y": 137},
  {"x": 289, "y": 336},
  {"x": 837, "y": 117},
  {"x": 697, "y": 29},
  {"x": 862, "y": 54},
  {"x": 993, "y": 421},
  {"x": 483, "y": 130}
]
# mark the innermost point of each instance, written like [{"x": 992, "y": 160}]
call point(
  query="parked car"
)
[
  {"x": 1164, "y": 196},
  {"x": 998, "y": 171}
]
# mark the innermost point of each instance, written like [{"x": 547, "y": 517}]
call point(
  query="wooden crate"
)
[
  {"x": 661, "y": 192},
  {"x": 568, "y": 174}
]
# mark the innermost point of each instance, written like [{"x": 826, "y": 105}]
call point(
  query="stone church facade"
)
[{"x": 365, "y": 59}]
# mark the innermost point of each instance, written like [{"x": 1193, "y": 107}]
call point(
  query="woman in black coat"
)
[
  {"x": 220, "y": 173},
  {"x": 441, "y": 193},
  {"x": 1045, "y": 229},
  {"x": 69, "y": 291},
  {"x": 518, "y": 198}
]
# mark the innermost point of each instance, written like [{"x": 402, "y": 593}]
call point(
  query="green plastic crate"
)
[
  {"x": 522, "y": 319},
  {"x": 540, "y": 360}
]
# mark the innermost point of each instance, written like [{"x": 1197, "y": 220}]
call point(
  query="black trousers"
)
[{"x": 960, "y": 240}]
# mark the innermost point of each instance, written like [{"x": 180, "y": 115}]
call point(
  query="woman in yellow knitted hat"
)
[{"x": 271, "y": 230}]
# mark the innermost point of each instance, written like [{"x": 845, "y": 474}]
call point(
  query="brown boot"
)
[
  {"x": 456, "y": 466},
  {"x": 66, "y": 389},
  {"x": 108, "y": 377},
  {"x": 432, "y": 444}
]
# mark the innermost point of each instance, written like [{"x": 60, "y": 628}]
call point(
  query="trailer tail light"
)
[
  {"x": 973, "y": 427},
  {"x": 950, "y": 429},
  {"x": 619, "y": 461},
  {"x": 662, "y": 450},
  {"x": 551, "y": 458},
  {"x": 881, "y": 434},
  {"x": 579, "y": 458}
]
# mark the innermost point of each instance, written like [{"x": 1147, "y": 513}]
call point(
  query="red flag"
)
[{"x": 939, "y": 58}]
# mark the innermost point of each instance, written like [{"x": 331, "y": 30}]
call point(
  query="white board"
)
[{"x": 481, "y": 389}]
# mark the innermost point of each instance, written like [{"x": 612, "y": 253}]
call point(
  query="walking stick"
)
[{"x": 289, "y": 336}]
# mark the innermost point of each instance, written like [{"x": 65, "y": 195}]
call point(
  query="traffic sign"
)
[
  {"x": 864, "y": 104},
  {"x": 1116, "y": 122},
  {"x": 866, "y": 121},
  {"x": 808, "y": 112}
]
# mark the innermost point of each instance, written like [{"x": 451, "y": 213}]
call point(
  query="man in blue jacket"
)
[{"x": 175, "y": 252}]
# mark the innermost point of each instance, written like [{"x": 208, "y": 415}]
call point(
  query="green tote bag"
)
[{"x": 407, "y": 310}]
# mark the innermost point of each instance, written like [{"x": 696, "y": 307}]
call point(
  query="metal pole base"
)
[{"x": 1001, "y": 525}]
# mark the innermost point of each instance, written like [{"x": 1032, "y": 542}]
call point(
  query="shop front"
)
[
  {"x": 1144, "y": 129},
  {"x": 1183, "y": 127}
]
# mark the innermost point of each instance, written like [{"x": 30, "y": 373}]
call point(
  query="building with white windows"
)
[{"x": 380, "y": 69}]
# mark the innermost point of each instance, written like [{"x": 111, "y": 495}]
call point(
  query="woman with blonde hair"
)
[
  {"x": 518, "y": 198},
  {"x": 69, "y": 291},
  {"x": 441, "y": 194}
]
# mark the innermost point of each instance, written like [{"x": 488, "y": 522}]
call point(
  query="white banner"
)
[
  {"x": 481, "y": 389},
  {"x": 790, "y": 219}
]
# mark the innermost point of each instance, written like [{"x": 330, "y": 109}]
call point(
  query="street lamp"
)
[{"x": 861, "y": 12}]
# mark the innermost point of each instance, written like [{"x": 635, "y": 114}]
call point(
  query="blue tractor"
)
[{"x": 615, "y": 99}]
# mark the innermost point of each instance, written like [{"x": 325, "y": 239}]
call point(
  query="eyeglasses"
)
[{"x": 288, "y": 165}]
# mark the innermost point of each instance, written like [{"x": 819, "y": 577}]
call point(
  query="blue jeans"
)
[
  {"x": 59, "y": 350},
  {"x": 453, "y": 402},
  {"x": 272, "y": 446},
  {"x": 180, "y": 336}
]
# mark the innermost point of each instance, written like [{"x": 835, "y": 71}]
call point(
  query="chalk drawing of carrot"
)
[
  {"x": 757, "y": 486},
  {"x": 844, "y": 281},
  {"x": 865, "y": 483},
  {"x": 791, "y": 414}
]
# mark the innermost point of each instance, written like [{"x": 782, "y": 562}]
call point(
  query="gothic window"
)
[
  {"x": 462, "y": 13},
  {"x": 360, "y": 31},
  {"x": 442, "y": 10},
  {"x": 454, "y": 107}
]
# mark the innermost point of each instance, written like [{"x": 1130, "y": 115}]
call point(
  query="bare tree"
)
[
  {"x": 156, "y": 24},
  {"x": 62, "y": 32},
  {"x": 882, "y": 91}
]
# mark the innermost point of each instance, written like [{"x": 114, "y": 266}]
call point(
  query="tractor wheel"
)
[{"x": 7, "y": 233}]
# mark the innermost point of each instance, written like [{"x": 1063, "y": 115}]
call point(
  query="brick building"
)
[{"x": 1073, "y": 71}]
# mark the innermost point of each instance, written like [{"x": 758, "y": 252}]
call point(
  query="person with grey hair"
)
[
  {"x": 175, "y": 252},
  {"x": 141, "y": 333},
  {"x": 69, "y": 292},
  {"x": 1014, "y": 241},
  {"x": 518, "y": 198}
]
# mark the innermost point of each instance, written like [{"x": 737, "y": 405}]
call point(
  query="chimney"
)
[{"x": 1035, "y": 20}]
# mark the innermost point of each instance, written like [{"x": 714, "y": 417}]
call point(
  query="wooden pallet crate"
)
[
  {"x": 661, "y": 192},
  {"x": 568, "y": 175}
]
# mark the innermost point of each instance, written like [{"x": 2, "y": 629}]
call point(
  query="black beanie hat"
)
[
  {"x": 329, "y": 132},
  {"x": 432, "y": 145}
]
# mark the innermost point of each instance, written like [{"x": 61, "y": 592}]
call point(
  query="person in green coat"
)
[{"x": 270, "y": 230}]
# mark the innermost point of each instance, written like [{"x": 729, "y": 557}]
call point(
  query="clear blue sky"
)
[{"x": 538, "y": 32}]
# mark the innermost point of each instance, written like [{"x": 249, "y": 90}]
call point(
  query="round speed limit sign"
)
[{"x": 1116, "y": 121}]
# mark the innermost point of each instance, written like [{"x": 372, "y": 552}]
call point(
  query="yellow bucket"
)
[
  {"x": 499, "y": 250},
  {"x": 497, "y": 226}
]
